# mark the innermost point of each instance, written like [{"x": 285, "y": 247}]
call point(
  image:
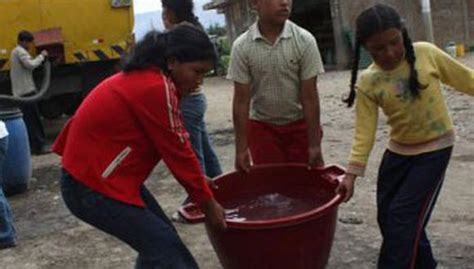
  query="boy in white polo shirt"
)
[{"x": 274, "y": 66}]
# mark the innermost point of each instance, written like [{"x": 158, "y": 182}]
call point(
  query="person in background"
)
[
  {"x": 274, "y": 66},
  {"x": 405, "y": 81},
  {"x": 7, "y": 230},
  {"x": 193, "y": 106},
  {"x": 23, "y": 85},
  {"x": 124, "y": 127}
]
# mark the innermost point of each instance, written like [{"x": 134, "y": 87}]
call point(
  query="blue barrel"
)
[{"x": 17, "y": 169}]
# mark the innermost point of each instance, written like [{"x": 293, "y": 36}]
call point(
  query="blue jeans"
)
[
  {"x": 147, "y": 230},
  {"x": 407, "y": 190},
  {"x": 193, "y": 108},
  {"x": 7, "y": 231}
]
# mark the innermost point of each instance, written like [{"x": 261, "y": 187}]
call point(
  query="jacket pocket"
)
[{"x": 116, "y": 162}]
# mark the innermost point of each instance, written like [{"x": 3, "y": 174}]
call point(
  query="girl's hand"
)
[
  {"x": 215, "y": 215},
  {"x": 347, "y": 187}
]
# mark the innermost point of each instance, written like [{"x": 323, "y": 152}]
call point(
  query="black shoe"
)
[
  {"x": 8, "y": 245},
  {"x": 41, "y": 151}
]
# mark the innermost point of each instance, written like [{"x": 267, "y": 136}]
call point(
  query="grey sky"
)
[{"x": 143, "y": 6}]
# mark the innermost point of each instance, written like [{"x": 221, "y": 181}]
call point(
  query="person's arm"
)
[
  {"x": 241, "y": 106},
  {"x": 362, "y": 144},
  {"x": 239, "y": 72},
  {"x": 28, "y": 62},
  {"x": 156, "y": 109},
  {"x": 311, "y": 66},
  {"x": 452, "y": 72},
  {"x": 311, "y": 110}
]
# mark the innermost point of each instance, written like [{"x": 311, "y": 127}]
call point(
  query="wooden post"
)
[
  {"x": 428, "y": 24},
  {"x": 465, "y": 7},
  {"x": 342, "y": 55}
]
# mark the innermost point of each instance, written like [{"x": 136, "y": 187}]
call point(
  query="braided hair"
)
[{"x": 375, "y": 20}]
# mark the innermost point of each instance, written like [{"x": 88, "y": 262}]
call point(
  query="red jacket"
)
[{"x": 126, "y": 125}]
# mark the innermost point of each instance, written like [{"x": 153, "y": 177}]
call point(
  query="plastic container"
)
[
  {"x": 451, "y": 49},
  {"x": 302, "y": 240},
  {"x": 460, "y": 50},
  {"x": 17, "y": 169}
]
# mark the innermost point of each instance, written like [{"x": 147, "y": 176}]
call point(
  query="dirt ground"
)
[{"x": 51, "y": 238}]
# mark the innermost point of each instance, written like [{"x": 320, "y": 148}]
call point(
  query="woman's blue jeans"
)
[
  {"x": 147, "y": 230},
  {"x": 193, "y": 108},
  {"x": 7, "y": 231}
]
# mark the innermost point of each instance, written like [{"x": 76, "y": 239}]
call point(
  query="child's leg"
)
[
  {"x": 264, "y": 143},
  {"x": 407, "y": 192},
  {"x": 192, "y": 109},
  {"x": 213, "y": 167}
]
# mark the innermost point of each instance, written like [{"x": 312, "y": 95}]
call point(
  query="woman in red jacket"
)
[{"x": 126, "y": 125}]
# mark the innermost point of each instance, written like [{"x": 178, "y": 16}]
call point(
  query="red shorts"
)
[{"x": 270, "y": 143}]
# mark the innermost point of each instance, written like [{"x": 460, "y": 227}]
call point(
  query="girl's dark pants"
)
[
  {"x": 147, "y": 230},
  {"x": 407, "y": 189}
]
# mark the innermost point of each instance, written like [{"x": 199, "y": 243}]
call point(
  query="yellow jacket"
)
[{"x": 418, "y": 125}]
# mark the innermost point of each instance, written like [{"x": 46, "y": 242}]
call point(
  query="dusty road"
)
[{"x": 51, "y": 238}]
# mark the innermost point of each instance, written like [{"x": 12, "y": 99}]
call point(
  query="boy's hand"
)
[
  {"x": 347, "y": 187},
  {"x": 315, "y": 158},
  {"x": 242, "y": 161},
  {"x": 215, "y": 215},
  {"x": 44, "y": 53}
]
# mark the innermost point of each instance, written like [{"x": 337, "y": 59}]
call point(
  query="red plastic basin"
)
[{"x": 292, "y": 241}]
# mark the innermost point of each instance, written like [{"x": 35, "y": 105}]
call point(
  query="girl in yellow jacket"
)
[{"x": 405, "y": 81}]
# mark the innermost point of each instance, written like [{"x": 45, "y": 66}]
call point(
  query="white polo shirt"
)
[{"x": 275, "y": 71}]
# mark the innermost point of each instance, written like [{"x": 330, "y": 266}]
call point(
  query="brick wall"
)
[{"x": 447, "y": 17}]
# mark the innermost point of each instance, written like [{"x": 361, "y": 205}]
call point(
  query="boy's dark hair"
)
[
  {"x": 183, "y": 9},
  {"x": 374, "y": 20},
  {"x": 25, "y": 36},
  {"x": 185, "y": 43}
]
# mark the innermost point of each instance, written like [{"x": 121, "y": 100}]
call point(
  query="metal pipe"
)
[
  {"x": 9, "y": 99},
  {"x": 427, "y": 21}
]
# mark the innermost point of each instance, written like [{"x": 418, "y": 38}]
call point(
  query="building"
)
[{"x": 332, "y": 22}]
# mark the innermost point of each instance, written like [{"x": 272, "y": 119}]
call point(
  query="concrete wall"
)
[{"x": 448, "y": 21}]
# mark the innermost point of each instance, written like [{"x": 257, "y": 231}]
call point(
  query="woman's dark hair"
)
[
  {"x": 25, "y": 36},
  {"x": 375, "y": 20},
  {"x": 183, "y": 10},
  {"x": 184, "y": 43}
]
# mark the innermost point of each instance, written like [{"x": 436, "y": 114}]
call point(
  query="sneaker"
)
[
  {"x": 176, "y": 217},
  {"x": 42, "y": 151}
]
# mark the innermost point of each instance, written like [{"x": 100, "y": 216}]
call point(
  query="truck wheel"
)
[{"x": 51, "y": 108}]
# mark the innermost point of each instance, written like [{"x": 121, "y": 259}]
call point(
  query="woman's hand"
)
[
  {"x": 215, "y": 215},
  {"x": 347, "y": 187}
]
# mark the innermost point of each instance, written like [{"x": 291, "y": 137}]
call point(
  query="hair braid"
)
[
  {"x": 413, "y": 82},
  {"x": 355, "y": 70}
]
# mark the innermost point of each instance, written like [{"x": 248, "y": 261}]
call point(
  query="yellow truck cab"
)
[{"x": 85, "y": 40}]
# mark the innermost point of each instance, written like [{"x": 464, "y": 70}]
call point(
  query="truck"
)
[{"x": 85, "y": 40}]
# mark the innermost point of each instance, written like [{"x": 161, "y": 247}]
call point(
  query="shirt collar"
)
[{"x": 257, "y": 35}]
